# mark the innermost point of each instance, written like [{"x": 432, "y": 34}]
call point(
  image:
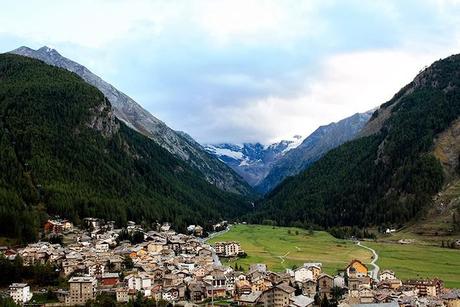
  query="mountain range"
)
[
  {"x": 264, "y": 167},
  {"x": 136, "y": 117},
  {"x": 64, "y": 152},
  {"x": 252, "y": 161},
  {"x": 66, "y": 149},
  {"x": 390, "y": 174}
]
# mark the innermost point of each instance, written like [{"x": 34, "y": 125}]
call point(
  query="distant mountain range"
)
[
  {"x": 264, "y": 167},
  {"x": 312, "y": 148},
  {"x": 252, "y": 161},
  {"x": 136, "y": 117}
]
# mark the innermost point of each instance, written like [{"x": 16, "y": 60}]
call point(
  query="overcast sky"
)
[{"x": 243, "y": 71}]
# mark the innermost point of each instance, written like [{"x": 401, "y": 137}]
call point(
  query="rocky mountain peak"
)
[
  {"x": 252, "y": 161},
  {"x": 136, "y": 117},
  {"x": 48, "y": 50}
]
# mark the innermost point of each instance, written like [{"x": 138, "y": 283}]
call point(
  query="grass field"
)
[
  {"x": 265, "y": 244},
  {"x": 419, "y": 261},
  {"x": 279, "y": 249}
]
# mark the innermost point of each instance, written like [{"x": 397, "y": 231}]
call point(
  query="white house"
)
[
  {"x": 339, "y": 281},
  {"x": 387, "y": 275},
  {"x": 140, "y": 282},
  {"x": 20, "y": 293},
  {"x": 228, "y": 249},
  {"x": 122, "y": 295},
  {"x": 302, "y": 274},
  {"x": 102, "y": 247}
]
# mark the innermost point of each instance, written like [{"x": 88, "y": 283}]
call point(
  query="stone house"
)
[
  {"x": 325, "y": 285},
  {"x": 278, "y": 296}
]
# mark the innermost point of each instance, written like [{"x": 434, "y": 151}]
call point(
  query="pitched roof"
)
[
  {"x": 250, "y": 298},
  {"x": 285, "y": 287},
  {"x": 302, "y": 301}
]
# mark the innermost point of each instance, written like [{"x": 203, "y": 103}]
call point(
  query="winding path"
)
[
  {"x": 282, "y": 257},
  {"x": 375, "y": 271}
]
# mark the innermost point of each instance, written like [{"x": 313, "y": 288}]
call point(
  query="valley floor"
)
[
  {"x": 284, "y": 247},
  {"x": 411, "y": 261}
]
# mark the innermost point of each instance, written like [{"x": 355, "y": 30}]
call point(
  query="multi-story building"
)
[
  {"x": 426, "y": 287},
  {"x": 302, "y": 274},
  {"x": 325, "y": 285},
  {"x": 140, "y": 282},
  {"x": 81, "y": 289},
  {"x": 228, "y": 249},
  {"x": 387, "y": 275},
  {"x": 20, "y": 293},
  {"x": 122, "y": 295},
  {"x": 357, "y": 269},
  {"x": 57, "y": 226},
  {"x": 278, "y": 296}
]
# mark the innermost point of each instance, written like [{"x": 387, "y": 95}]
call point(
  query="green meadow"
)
[
  {"x": 285, "y": 247},
  {"x": 419, "y": 261}
]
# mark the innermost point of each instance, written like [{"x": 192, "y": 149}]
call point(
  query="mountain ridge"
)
[
  {"x": 264, "y": 167},
  {"x": 252, "y": 161},
  {"x": 390, "y": 174},
  {"x": 64, "y": 152},
  {"x": 312, "y": 148},
  {"x": 135, "y": 116}
]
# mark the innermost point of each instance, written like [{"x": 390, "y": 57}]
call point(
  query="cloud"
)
[
  {"x": 243, "y": 70},
  {"x": 347, "y": 83}
]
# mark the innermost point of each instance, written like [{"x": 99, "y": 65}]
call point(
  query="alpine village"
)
[{"x": 103, "y": 204}]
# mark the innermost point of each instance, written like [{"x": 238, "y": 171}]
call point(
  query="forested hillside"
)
[
  {"x": 62, "y": 151},
  {"x": 135, "y": 116},
  {"x": 388, "y": 176},
  {"x": 313, "y": 148}
]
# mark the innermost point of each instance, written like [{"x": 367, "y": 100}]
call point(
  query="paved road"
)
[
  {"x": 215, "y": 234},
  {"x": 375, "y": 271},
  {"x": 212, "y": 235}
]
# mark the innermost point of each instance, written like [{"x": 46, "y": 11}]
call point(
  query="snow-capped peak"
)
[{"x": 296, "y": 141}]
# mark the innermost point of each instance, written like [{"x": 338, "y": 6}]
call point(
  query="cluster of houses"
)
[
  {"x": 353, "y": 286},
  {"x": 182, "y": 268}
]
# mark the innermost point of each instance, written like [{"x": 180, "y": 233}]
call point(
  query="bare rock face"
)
[
  {"x": 252, "y": 161},
  {"x": 447, "y": 150},
  {"x": 103, "y": 120},
  {"x": 136, "y": 117},
  {"x": 264, "y": 167},
  {"x": 312, "y": 149}
]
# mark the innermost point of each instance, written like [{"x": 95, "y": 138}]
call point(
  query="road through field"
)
[{"x": 375, "y": 271}]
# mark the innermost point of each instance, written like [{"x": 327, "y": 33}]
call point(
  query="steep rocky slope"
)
[
  {"x": 136, "y": 117},
  {"x": 312, "y": 148},
  {"x": 62, "y": 151},
  {"x": 252, "y": 161}
]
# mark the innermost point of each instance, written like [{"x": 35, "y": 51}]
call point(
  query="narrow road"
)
[
  {"x": 215, "y": 234},
  {"x": 212, "y": 235},
  {"x": 375, "y": 271}
]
